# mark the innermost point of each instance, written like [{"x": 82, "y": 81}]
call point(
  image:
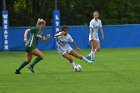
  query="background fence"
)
[{"x": 116, "y": 36}]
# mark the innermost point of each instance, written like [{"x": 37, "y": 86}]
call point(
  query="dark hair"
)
[
  {"x": 64, "y": 27},
  {"x": 94, "y": 12}
]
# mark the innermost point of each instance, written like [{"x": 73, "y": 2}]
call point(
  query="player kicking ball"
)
[
  {"x": 95, "y": 25},
  {"x": 30, "y": 46},
  {"x": 64, "y": 49}
]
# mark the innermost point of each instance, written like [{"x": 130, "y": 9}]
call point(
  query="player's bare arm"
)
[
  {"x": 102, "y": 33},
  {"x": 60, "y": 34},
  {"x": 26, "y": 34},
  {"x": 75, "y": 45},
  {"x": 91, "y": 32}
]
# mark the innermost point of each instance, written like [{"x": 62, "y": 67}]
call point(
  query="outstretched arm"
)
[
  {"x": 75, "y": 45},
  {"x": 59, "y": 34}
]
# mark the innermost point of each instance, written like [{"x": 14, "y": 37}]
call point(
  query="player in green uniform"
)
[{"x": 30, "y": 46}]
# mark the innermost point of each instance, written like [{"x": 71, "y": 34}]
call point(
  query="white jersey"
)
[
  {"x": 63, "y": 43},
  {"x": 95, "y": 25}
]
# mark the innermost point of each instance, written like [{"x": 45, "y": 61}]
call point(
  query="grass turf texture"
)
[{"x": 116, "y": 71}]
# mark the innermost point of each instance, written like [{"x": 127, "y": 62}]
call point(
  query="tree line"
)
[{"x": 73, "y": 12}]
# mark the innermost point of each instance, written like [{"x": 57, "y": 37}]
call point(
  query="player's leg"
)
[
  {"x": 98, "y": 46},
  {"x": 23, "y": 64},
  {"x": 39, "y": 57},
  {"x": 77, "y": 55},
  {"x": 68, "y": 57},
  {"x": 93, "y": 49}
]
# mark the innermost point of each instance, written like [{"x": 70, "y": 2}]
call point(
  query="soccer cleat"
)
[
  {"x": 88, "y": 57},
  {"x": 17, "y": 72},
  {"x": 90, "y": 62},
  {"x": 31, "y": 68},
  {"x": 93, "y": 60}
]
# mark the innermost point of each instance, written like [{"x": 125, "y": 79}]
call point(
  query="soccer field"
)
[{"x": 115, "y": 71}]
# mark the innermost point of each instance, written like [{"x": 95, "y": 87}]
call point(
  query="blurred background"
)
[
  {"x": 73, "y": 12},
  {"x": 120, "y": 19},
  {"x": 117, "y": 66}
]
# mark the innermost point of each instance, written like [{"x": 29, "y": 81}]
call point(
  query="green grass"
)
[{"x": 116, "y": 71}]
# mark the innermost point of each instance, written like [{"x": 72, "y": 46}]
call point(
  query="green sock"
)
[
  {"x": 36, "y": 61},
  {"x": 22, "y": 65}
]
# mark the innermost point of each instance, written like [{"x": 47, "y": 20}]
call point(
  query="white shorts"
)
[
  {"x": 63, "y": 50},
  {"x": 95, "y": 37}
]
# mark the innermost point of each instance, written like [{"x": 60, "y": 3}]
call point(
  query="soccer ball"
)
[{"x": 78, "y": 68}]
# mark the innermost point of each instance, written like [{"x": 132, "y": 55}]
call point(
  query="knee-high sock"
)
[
  {"x": 84, "y": 59},
  {"x": 73, "y": 64},
  {"x": 36, "y": 61},
  {"x": 92, "y": 54},
  {"x": 89, "y": 54},
  {"x": 23, "y": 64}
]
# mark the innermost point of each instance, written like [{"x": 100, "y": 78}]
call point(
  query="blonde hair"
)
[{"x": 39, "y": 21}]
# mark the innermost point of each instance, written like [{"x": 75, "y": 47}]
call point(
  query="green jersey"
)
[{"x": 35, "y": 36}]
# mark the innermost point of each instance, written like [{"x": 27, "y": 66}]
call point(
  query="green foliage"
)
[
  {"x": 18, "y": 5},
  {"x": 74, "y": 12}
]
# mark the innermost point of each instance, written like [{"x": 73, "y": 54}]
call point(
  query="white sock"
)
[
  {"x": 73, "y": 64},
  {"x": 89, "y": 54},
  {"x": 84, "y": 59},
  {"x": 92, "y": 54}
]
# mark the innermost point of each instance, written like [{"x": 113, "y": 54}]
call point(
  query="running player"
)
[
  {"x": 64, "y": 49},
  {"x": 95, "y": 25},
  {"x": 30, "y": 46}
]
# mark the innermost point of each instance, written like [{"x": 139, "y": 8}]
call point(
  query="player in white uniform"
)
[
  {"x": 95, "y": 25},
  {"x": 64, "y": 49}
]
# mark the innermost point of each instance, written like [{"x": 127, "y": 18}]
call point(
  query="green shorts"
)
[{"x": 29, "y": 49}]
